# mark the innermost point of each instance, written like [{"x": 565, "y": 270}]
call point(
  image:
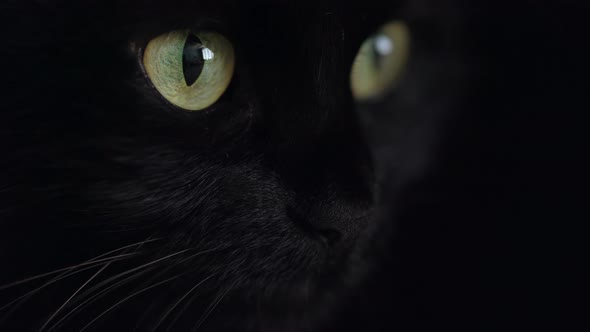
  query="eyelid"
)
[{"x": 152, "y": 28}]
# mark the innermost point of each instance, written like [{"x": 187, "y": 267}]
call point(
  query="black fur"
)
[
  {"x": 285, "y": 198},
  {"x": 273, "y": 184}
]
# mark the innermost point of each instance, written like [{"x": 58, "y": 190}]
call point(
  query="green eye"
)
[
  {"x": 191, "y": 70},
  {"x": 380, "y": 62}
]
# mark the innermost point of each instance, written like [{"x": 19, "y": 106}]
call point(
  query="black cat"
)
[
  {"x": 228, "y": 187},
  {"x": 258, "y": 165}
]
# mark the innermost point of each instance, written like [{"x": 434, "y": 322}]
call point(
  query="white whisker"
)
[
  {"x": 210, "y": 310},
  {"x": 73, "y": 295},
  {"x": 96, "y": 297},
  {"x": 94, "y": 260},
  {"x": 180, "y": 301},
  {"x": 115, "y": 277},
  {"x": 56, "y": 279},
  {"x": 126, "y": 299}
]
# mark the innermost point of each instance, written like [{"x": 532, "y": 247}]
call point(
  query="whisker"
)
[
  {"x": 155, "y": 277},
  {"x": 91, "y": 261},
  {"x": 189, "y": 302},
  {"x": 126, "y": 299},
  {"x": 172, "y": 266},
  {"x": 176, "y": 264},
  {"x": 56, "y": 279},
  {"x": 117, "y": 276},
  {"x": 97, "y": 297},
  {"x": 181, "y": 312},
  {"x": 210, "y": 310},
  {"x": 199, "y": 253},
  {"x": 180, "y": 301},
  {"x": 73, "y": 295}
]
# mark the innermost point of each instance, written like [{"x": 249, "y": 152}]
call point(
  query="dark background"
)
[{"x": 488, "y": 238}]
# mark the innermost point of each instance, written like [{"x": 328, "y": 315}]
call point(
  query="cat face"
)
[{"x": 266, "y": 197}]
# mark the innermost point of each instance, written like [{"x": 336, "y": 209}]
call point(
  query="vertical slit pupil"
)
[{"x": 192, "y": 59}]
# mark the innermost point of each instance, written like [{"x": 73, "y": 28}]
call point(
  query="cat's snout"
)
[{"x": 335, "y": 224}]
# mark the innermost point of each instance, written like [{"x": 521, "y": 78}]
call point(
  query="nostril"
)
[{"x": 330, "y": 236}]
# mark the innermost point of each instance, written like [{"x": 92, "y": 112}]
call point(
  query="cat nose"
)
[
  {"x": 340, "y": 232},
  {"x": 330, "y": 186},
  {"x": 337, "y": 223}
]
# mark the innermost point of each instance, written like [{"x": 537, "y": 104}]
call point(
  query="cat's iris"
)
[
  {"x": 191, "y": 70},
  {"x": 380, "y": 61}
]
